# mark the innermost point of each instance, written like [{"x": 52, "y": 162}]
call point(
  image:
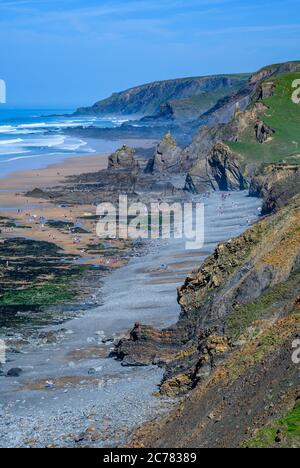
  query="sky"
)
[{"x": 69, "y": 53}]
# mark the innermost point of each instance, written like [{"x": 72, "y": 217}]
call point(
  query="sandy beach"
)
[
  {"x": 53, "y": 174},
  {"x": 27, "y": 212},
  {"x": 114, "y": 399},
  {"x": 69, "y": 370}
]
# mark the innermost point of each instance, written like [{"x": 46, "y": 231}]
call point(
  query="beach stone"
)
[{"x": 14, "y": 372}]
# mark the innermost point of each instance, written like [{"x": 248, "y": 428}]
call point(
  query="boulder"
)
[{"x": 15, "y": 372}]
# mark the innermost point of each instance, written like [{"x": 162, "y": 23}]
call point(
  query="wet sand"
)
[
  {"x": 28, "y": 211},
  {"x": 115, "y": 399}
]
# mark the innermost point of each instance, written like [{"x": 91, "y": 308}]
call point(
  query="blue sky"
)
[{"x": 69, "y": 53}]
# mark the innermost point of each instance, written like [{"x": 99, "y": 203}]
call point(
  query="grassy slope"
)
[
  {"x": 147, "y": 99},
  {"x": 285, "y": 430},
  {"x": 199, "y": 104},
  {"x": 284, "y": 117}
]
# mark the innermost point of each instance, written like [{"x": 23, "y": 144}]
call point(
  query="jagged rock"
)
[
  {"x": 263, "y": 132},
  {"x": 198, "y": 181},
  {"x": 276, "y": 184},
  {"x": 136, "y": 332},
  {"x": 190, "y": 185},
  {"x": 38, "y": 193},
  {"x": 215, "y": 300},
  {"x": 146, "y": 346},
  {"x": 273, "y": 70},
  {"x": 167, "y": 158},
  {"x": 281, "y": 193},
  {"x": 203, "y": 141},
  {"x": 224, "y": 169},
  {"x": 123, "y": 159},
  {"x": 267, "y": 89}
]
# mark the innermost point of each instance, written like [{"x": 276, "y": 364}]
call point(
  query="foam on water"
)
[{"x": 40, "y": 134}]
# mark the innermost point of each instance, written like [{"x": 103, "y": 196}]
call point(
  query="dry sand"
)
[
  {"x": 28, "y": 211},
  {"x": 52, "y": 175}
]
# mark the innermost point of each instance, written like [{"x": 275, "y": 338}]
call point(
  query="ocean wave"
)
[
  {"x": 12, "y": 151},
  {"x": 64, "y": 124},
  {"x": 20, "y": 157},
  {"x": 44, "y": 126},
  {"x": 11, "y": 142},
  {"x": 6, "y": 129},
  {"x": 60, "y": 143}
]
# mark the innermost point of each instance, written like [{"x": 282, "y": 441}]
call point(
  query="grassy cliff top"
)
[
  {"x": 187, "y": 95},
  {"x": 283, "y": 116}
]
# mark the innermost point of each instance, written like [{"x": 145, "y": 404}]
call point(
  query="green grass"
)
[
  {"x": 45, "y": 295},
  {"x": 60, "y": 289},
  {"x": 201, "y": 103},
  {"x": 287, "y": 428},
  {"x": 283, "y": 116}
]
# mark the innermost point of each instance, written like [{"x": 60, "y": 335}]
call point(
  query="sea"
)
[{"x": 35, "y": 138}]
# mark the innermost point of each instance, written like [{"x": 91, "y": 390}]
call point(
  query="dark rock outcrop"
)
[
  {"x": 124, "y": 175},
  {"x": 38, "y": 193},
  {"x": 273, "y": 70},
  {"x": 123, "y": 159},
  {"x": 266, "y": 89},
  {"x": 276, "y": 184},
  {"x": 263, "y": 132},
  {"x": 14, "y": 372},
  {"x": 224, "y": 169},
  {"x": 167, "y": 158}
]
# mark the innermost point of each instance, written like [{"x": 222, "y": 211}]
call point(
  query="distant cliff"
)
[{"x": 185, "y": 98}]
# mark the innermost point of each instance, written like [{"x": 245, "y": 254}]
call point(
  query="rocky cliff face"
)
[
  {"x": 276, "y": 184},
  {"x": 186, "y": 98},
  {"x": 273, "y": 70},
  {"x": 221, "y": 170},
  {"x": 224, "y": 169},
  {"x": 250, "y": 137},
  {"x": 263, "y": 132},
  {"x": 220, "y": 299},
  {"x": 231, "y": 347}
]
